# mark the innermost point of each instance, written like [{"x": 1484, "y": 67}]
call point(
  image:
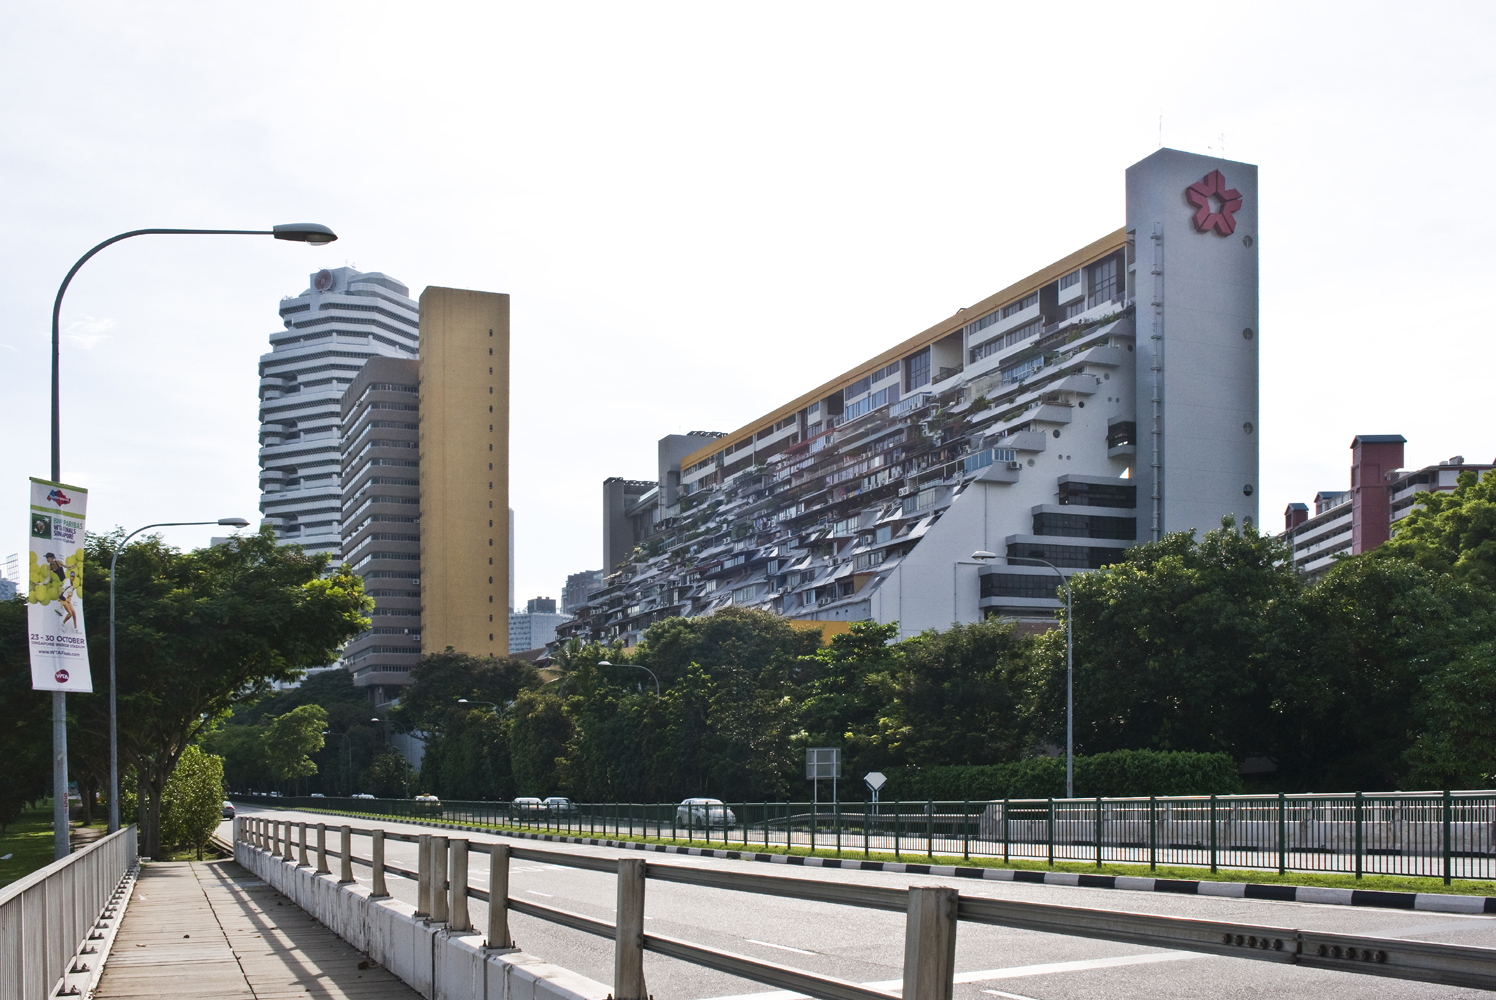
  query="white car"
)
[
  {"x": 704, "y": 813},
  {"x": 527, "y": 805},
  {"x": 363, "y": 795},
  {"x": 559, "y": 805}
]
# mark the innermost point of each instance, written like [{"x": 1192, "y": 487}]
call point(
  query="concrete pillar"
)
[
  {"x": 322, "y": 868},
  {"x": 423, "y": 875},
  {"x": 930, "y": 943},
  {"x": 290, "y": 842},
  {"x": 439, "y": 909},
  {"x": 459, "y": 918},
  {"x": 346, "y": 869},
  {"x": 303, "y": 861},
  {"x": 628, "y": 949},
  {"x": 498, "y": 897},
  {"x": 376, "y": 853}
]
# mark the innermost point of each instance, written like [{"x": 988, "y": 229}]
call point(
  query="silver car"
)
[{"x": 704, "y": 814}]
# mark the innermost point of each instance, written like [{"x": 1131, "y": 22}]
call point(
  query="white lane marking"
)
[
  {"x": 1009, "y": 996},
  {"x": 781, "y": 947},
  {"x": 538, "y": 893},
  {"x": 1015, "y": 972}
]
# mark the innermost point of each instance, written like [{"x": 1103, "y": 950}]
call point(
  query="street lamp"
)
[
  {"x": 1069, "y": 676},
  {"x": 636, "y": 666},
  {"x": 228, "y": 522},
  {"x": 312, "y": 233}
]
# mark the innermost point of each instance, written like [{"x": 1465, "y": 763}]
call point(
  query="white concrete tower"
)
[{"x": 345, "y": 318}]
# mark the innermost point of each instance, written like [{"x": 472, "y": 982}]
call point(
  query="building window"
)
[
  {"x": 1030, "y": 585},
  {"x": 917, "y": 370},
  {"x": 1104, "y": 287},
  {"x": 1069, "y": 280}
]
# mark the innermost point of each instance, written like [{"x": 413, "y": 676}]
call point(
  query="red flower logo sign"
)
[{"x": 1200, "y": 193}]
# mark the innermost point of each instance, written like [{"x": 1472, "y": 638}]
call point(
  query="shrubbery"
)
[{"x": 1118, "y": 773}]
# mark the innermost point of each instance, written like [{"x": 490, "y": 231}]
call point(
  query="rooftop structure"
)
[
  {"x": 578, "y": 586},
  {"x": 1349, "y": 522},
  {"x": 1107, "y": 398},
  {"x": 341, "y": 321}
]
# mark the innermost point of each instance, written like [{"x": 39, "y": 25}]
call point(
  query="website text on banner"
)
[{"x": 54, "y": 598}]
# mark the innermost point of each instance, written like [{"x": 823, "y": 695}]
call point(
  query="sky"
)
[{"x": 704, "y": 210}]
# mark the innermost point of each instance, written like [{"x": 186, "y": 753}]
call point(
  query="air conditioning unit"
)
[{"x": 1015, "y": 465}]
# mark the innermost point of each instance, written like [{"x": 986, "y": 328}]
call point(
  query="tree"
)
[
  {"x": 1452, "y": 532},
  {"x": 539, "y": 732},
  {"x": 390, "y": 775},
  {"x": 25, "y": 719},
  {"x": 961, "y": 697},
  {"x": 192, "y": 801},
  {"x": 855, "y": 680},
  {"x": 291, "y": 738},
  {"x": 1172, "y": 645},
  {"x": 202, "y": 631}
]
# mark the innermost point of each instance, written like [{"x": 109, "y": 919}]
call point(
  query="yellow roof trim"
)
[{"x": 1085, "y": 255}]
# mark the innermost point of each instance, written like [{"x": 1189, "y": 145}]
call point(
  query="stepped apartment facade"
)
[
  {"x": 1107, "y": 398},
  {"x": 344, "y": 318}
]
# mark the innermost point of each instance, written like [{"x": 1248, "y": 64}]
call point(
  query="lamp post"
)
[
  {"x": 1069, "y": 676},
  {"x": 636, "y": 666},
  {"x": 406, "y": 732},
  {"x": 228, "y": 522},
  {"x": 304, "y": 232}
]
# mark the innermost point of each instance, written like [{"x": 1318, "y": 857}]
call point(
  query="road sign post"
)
[{"x": 821, "y": 762}]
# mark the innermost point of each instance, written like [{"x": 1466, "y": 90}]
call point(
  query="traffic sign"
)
[{"x": 875, "y": 780}]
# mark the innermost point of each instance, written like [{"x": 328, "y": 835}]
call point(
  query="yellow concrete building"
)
[{"x": 464, "y": 455}]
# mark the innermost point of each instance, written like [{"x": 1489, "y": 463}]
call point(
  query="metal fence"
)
[
  {"x": 933, "y": 912},
  {"x": 1439, "y": 834},
  {"x": 46, "y": 915}
]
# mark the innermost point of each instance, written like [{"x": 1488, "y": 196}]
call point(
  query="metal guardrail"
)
[
  {"x": 932, "y": 916},
  {"x": 44, "y": 916},
  {"x": 1449, "y": 834}
]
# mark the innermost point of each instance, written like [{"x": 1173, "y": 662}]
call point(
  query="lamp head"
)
[
  {"x": 462, "y": 701},
  {"x": 304, "y": 232},
  {"x": 983, "y": 554},
  {"x": 604, "y": 663},
  {"x": 233, "y": 522}
]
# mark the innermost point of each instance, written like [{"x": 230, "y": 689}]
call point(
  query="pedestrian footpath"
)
[{"x": 211, "y": 928}]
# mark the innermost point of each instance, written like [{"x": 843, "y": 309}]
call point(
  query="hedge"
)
[{"x": 1118, "y": 773}]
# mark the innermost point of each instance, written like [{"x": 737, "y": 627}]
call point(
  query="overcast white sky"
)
[{"x": 702, "y": 210}]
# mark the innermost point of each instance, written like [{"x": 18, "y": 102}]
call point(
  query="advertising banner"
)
[{"x": 54, "y": 599}]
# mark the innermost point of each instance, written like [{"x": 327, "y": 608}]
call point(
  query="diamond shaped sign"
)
[{"x": 875, "y": 780}]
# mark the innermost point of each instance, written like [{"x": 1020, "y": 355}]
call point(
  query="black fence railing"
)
[{"x": 1440, "y": 834}]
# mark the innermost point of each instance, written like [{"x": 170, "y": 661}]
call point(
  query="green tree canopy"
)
[
  {"x": 1452, "y": 532},
  {"x": 201, "y": 631},
  {"x": 192, "y": 801},
  {"x": 290, "y": 740}
]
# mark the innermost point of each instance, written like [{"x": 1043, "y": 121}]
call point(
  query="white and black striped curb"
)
[{"x": 1436, "y": 902}]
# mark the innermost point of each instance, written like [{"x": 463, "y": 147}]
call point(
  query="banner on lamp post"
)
[{"x": 54, "y": 595}]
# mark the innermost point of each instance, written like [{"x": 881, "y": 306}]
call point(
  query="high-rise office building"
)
[
  {"x": 464, "y": 473},
  {"x": 1105, "y": 399},
  {"x": 10, "y": 569},
  {"x": 341, "y": 321},
  {"x": 381, "y": 518},
  {"x": 535, "y": 626}
]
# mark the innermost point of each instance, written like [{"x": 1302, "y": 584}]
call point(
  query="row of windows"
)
[
  {"x": 1086, "y": 526},
  {"x": 1030, "y": 585},
  {"x": 870, "y": 403},
  {"x": 917, "y": 372},
  {"x": 1073, "y": 278},
  {"x": 1068, "y": 556},
  {"x": 1014, "y": 336}
]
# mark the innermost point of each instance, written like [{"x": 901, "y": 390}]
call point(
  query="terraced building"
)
[
  {"x": 344, "y": 318},
  {"x": 1105, "y": 399}
]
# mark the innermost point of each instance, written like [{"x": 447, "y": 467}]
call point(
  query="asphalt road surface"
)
[{"x": 867, "y": 946}]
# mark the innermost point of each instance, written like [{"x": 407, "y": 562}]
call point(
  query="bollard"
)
[
  {"x": 260, "y": 833},
  {"x": 322, "y": 868},
  {"x": 628, "y": 949},
  {"x": 290, "y": 855},
  {"x": 377, "y": 856},
  {"x": 498, "y": 897},
  {"x": 303, "y": 861},
  {"x": 459, "y": 919},
  {"x": 930, "y": 943},
  {"x": 273, "y": 842},
  {"x": 346, "y": 868},
  {"x": 423, "y": 875},
  {"x": 439, "y": 911}
]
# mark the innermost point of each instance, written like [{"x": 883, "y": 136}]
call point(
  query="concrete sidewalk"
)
[{"x": 211, "y": 928}]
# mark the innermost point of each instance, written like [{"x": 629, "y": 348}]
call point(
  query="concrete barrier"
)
[{"x": 438, "y": 963}]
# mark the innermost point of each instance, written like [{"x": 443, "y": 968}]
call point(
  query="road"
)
[{"x": 866, "y": 946}]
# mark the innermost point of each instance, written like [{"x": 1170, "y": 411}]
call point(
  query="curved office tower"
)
[{"x": 345, "y": 318}]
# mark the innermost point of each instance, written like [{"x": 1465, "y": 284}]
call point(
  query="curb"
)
[{"x": 1433, "y": 902}]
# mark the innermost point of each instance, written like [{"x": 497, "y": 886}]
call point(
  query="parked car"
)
[
  {"x": 559, "y": 805},
  {"x": 704, "y": 813},
  {"x": 228, "y": 809}
]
